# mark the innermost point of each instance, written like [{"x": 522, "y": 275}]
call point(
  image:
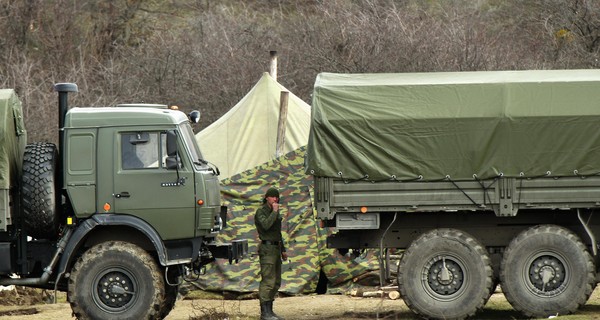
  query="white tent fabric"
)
[{"x": 246, "y": 135}]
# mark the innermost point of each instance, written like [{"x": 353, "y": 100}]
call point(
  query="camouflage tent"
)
[{"x": 305, "y": 240}]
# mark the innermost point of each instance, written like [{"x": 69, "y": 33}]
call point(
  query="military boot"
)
[
  {"x": 266, "y": 313},
  {"x": 270, "y": 306}
]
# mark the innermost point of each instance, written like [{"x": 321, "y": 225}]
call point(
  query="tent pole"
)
[{"x": 283, "y": 110}]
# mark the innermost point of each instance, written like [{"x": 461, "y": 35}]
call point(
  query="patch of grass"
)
[
  {"x": 201, "y": 294},
  {"x": 202, "y": 312},
  {"x": 226, "y": 295},
  {"x": 498, "y": 308},
  {"x": 18, "y": 312}
]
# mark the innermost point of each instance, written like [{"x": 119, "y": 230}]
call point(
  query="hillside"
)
[{"x": 206, "y": 54}]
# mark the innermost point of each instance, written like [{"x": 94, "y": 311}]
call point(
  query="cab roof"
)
[{"x": 124, "y": 115}]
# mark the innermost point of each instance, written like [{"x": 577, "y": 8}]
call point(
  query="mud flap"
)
[
  {"x": 6, "y": 261},
  {"x": 223, "y": 215}
]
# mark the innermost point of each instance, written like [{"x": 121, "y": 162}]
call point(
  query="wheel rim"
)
[
  {"x": 444, "y": 277},
  {"x": 546, "y": 274},
  {"x": 115, "y": 290}
]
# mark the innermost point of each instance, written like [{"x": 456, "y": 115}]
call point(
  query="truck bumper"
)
[{"x": 234, "y": 251}]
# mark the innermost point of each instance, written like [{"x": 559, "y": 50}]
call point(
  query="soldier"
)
[{"x": 271, "y": 252}]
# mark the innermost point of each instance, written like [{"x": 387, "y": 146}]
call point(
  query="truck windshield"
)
[{"x": 190, "y": 141}]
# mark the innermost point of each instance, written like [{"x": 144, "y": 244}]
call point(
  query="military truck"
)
[
  {"x": 117, "y": 215},
  {"x": 475, "y": 178}
]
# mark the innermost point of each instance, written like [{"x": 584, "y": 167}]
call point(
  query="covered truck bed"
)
[
  {"x": 12, "y": 135},
  {"x": 456, "y": 125},
  {"x": 12, "y": 145}
]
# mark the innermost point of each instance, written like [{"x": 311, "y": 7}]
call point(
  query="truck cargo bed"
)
[{"x": 504, "y": 196}]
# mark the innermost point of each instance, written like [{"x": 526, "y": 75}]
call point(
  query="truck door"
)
[{"x": 144, "y": 187}]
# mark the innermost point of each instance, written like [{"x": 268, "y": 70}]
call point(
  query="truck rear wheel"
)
[
  {"x": 445, "y": 274},
  {"x": 40, "y": 196},
  {"x": 116, "y": 280},
  {"x": 547, "y": 270}
]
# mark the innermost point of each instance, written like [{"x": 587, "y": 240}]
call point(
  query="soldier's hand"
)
[{"x": 276, "y": 207}]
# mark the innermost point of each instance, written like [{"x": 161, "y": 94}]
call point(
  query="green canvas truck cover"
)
[
  {"x": 12, "y": 137},
  {"x": 455, "y": 125}
]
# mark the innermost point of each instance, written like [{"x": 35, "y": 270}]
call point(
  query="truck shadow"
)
[{"x": 485, "y": 314}]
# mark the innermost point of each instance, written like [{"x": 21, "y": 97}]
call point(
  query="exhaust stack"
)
[{"x": 63, "y": 90}]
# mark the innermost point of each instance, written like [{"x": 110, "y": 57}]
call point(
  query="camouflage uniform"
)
[{"x": 270, "y": 249}]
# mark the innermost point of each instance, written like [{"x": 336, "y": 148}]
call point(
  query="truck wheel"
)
[
  {"x": 116, "y": 280},
  {"x": 171, "y": 292},
  {"x": 39, "y": 192},
  {"x": 445, "y": 274},
  {"x": 169, "y": 301},
  {"x": 547, "y": 270}
]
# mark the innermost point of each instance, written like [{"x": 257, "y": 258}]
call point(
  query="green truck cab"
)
[{"x": 118, "y": 215}]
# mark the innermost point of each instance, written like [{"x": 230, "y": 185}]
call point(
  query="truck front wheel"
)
[
  {"x": 171, "y": 292},
  {"x": 547, "y": 270},
  {"x": 116, "y": 280},
  {"x": 169, "y": 301},
  {"x": 445, "y": 274}
]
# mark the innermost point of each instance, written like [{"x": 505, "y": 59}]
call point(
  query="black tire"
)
[
  {"x": 547, "y": 270},
  {"x": 40, "y": 196},
  {"x": 171, "y": 292},
  {"x": 496, "y": 259},
  {"x": 169, "y": 301},
  {"x": 431, "y": 292},
  {"x": 116, "y": 280}
]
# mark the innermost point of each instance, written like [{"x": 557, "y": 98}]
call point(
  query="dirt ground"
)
[{"x": 308, "y": 307}]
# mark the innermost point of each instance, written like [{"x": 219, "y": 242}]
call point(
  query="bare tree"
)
[{"x": 206, "y": 55}]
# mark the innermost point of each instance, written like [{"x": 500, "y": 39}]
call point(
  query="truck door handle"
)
[{"x": 124, "y": 194}]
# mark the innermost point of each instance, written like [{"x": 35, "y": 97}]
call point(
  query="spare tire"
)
[{"x": 39, "y": 191}]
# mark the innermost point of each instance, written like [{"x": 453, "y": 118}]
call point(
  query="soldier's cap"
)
[{"x": 272, "y": 192}]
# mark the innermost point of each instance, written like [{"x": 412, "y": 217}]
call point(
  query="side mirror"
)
[
  {"x": 171, "y": 143},
  {"x": 172, "y": 162},
  {"x": 194, "y": 116}
]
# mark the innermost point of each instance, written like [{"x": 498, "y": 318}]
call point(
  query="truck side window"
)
[
  {"x": 140, "y": 150},
  {"x": 163, "y": 149}
]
